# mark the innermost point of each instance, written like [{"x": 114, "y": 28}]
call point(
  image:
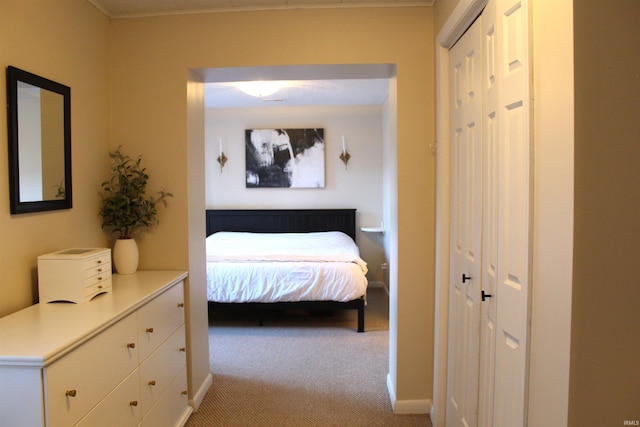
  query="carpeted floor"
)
[{"x": 301, "y": 369}]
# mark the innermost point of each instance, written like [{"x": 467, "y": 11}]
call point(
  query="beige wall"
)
[
  {"x": 441, "y": 12},
  {"x": 149, "y": 67},
  {"x": 605, "y": 348},
  {"x": 553, "y": 211},
  {"x": 68, "y": 43},
  {"x": 358, "y": 185}
]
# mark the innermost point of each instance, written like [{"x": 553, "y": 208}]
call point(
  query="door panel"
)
[
  {"x": 490, "y": 176},
  {"x": 514, "y": 207},
  {"x": 466, "y": 223}
]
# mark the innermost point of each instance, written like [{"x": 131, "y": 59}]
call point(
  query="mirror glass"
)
[{"x": 39, "y": 142}]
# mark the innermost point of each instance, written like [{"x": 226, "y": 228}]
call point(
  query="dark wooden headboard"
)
[{"x": 282, "y": 220}]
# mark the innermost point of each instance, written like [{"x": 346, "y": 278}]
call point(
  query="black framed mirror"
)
[{"x": 39, "y": 127}]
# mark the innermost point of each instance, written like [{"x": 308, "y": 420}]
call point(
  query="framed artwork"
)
[{"x": 284, "y": 158}]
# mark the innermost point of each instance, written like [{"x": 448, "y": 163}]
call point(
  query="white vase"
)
[{"x": 125, "y": 256}]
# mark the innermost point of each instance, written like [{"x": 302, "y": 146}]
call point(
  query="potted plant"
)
[{"x": 126, "y": 208}]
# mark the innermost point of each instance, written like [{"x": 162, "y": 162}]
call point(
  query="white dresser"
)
[{"x": 118, "y": 360}]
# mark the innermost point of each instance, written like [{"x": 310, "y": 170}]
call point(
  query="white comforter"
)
[{"x": 266, "y": 267}]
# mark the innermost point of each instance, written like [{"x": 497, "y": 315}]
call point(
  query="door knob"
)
[
  {"x": 465, "y": 278},
  {"x": 484, "y": 296}
]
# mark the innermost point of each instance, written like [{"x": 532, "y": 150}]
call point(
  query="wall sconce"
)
[
  {"x": 222, "y": 159},
  {"x": 344, "y": 156}
]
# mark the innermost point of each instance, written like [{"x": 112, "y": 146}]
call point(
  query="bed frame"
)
[{"x": 287, "y": 221}]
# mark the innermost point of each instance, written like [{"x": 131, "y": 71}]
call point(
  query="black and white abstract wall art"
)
[{"x": 284, "y": 158}]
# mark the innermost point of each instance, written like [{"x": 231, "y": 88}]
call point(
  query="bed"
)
[{"x": 264, "y": 277}]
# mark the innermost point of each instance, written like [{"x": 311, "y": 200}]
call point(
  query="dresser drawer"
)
[
  {"x": 97, "y": 288},
  {"x": 97, "y": 282},
  {"x": 157, "y": 372},
  {"x": 172, "y": 409},
  {"x": 120, "y": 408},
  {"x": 97, "y": 275},
  {"x": 103, "y": 270},
  {"x": 97, "y": 264},
  {"x": 78, "y": 381},
  {"x": 159, "y": 319}
]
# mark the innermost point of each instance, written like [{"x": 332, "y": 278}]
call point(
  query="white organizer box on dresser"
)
[
  {"x": 74, "y": 275},
  {"x": 118, "y": 360}
]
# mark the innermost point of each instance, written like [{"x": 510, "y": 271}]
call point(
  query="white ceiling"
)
[
  {"x": 302, "y": 93},
  {"x": 323, "y": 85},
  {"x": 305, "y": 85}
]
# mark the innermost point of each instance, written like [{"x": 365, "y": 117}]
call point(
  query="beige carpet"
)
[{"x": 301, "y": 369}]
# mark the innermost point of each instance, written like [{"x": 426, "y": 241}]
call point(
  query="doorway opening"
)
[{"x": 360, "y": 82}]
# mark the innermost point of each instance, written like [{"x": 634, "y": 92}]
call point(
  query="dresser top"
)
[{"x": 42, "y": 333}]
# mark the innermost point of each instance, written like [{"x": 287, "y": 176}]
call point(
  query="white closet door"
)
[
  {"x": 466, "y": 222},
  {"x": 514, "y": 194},
  {"x": 490, "y": 219},
  {"x": 490, "y": 176}
]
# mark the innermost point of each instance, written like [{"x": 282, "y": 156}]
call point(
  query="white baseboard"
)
[
  {"x": 406, "y": 407},
  {"x": 392, "y": 391},
  {"x": 198, "y": 397},
  {"x": 420, "y": 406}
]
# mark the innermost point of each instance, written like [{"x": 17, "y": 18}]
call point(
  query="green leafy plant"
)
[{"x": 125, "y": 206}]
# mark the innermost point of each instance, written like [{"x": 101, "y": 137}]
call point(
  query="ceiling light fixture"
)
[{"x": 260, "y": 88}]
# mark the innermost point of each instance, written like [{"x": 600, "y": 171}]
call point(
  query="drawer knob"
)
[
  {"x": 149, "y": 330},
  {"x": 133, "y": 403},
  {"x": 182, "y": 349},
  {"x": 131, "y": 345},
  {"x": 180, "y": 304},
  {"x": 99, "y": 270},
  {"x": 99, "y": 261},
  {"x": 184, "y": 392},
  {"x": 71, "y": 393},
  {"x": 99, "y": 286},
  {"x": 152, "y": 382}
]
